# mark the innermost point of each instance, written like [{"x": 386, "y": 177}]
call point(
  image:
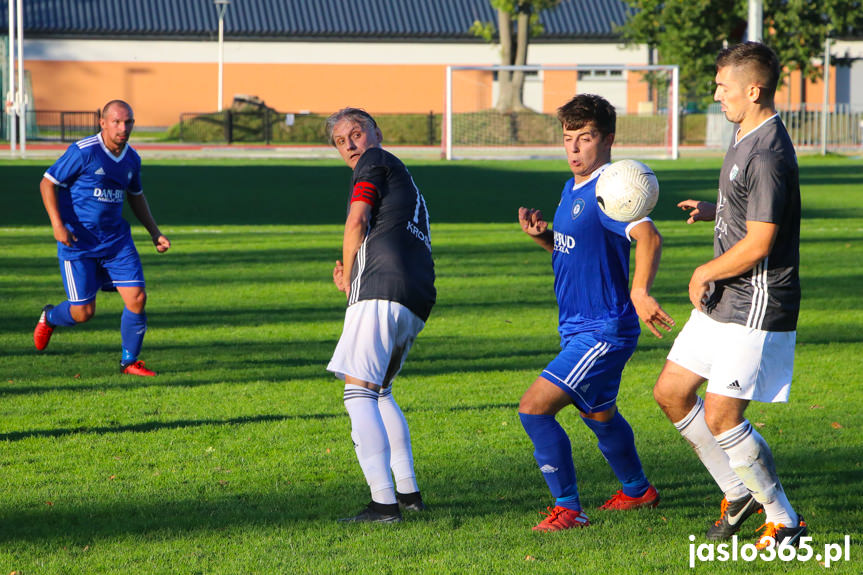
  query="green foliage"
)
[
  {"x": 690, "y": 33},
  {"x": 248, "y": 127},
  {"x": 488, "y": 30},
  {"x": 237, "y": 457}
]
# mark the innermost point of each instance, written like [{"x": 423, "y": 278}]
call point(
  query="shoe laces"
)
[
  {"x": 723, "y": 510},
  {"x": 553, "y": 514},
  {"x": 619, "y": 496},
  {"x": 770, "y": 530}
]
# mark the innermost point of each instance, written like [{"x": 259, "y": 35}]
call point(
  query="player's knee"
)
[
  {"x": 82, "y": 313},
  {"x": 138, "y": 302}
]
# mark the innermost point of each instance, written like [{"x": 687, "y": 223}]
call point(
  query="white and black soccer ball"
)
[{"x": 627, "y": 190}]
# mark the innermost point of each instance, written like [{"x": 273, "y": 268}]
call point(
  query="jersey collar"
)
[
  {"x": 753, "y": 130},
  {"x": 592, "y": 177},
  {"x": 108, "y": 152}
]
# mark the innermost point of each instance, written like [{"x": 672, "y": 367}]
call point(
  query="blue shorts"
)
[
  {"x": 589, "y": 370},
  {"x": 83, "y": 278}
]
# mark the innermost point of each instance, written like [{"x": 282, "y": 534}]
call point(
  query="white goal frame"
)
[{"x": 673, "y": 103}]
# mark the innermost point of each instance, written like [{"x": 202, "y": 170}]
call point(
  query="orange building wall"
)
[
  {"x": 788, "y": 93},
  {"x": 160, "y": 92},
  {"x": 559, "y": 88}
]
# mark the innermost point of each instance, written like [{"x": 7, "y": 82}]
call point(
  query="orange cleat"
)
[
  {"x": 561, "y": 518},
  {"x": 622, "y": 501},
  {"x": 776, "y": 534},
  {"x": 136, "y": 368},
  {"x": 43, "y": 331}
]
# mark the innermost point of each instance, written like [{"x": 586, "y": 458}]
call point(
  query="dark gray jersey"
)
[
  {"x": 394, "y": 262},
  {"x": 760, "y": 182}
]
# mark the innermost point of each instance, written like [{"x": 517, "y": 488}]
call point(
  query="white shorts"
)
[
  {"x": 375, "y": 341},
  {"x": 737, "y": 361}
]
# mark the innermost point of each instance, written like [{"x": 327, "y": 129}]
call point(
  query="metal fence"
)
[
  {"x": 55, "y": 125},
  {"x": 844, "y": 126},
  {"x": 271, "y": 127}
]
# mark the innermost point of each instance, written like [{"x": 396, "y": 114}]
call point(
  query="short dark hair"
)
[
  {"x": 757, "y": 60},
  {"x": 586, "y": 109},
  {"x": 356, "y": 115},
  {"x": 112, "y": 103}
]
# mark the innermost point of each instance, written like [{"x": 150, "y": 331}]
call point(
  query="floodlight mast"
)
[
  {"x": 21, "y": 100},
  {"x": 755, "y": 25},
  {"x": 10, "y": 93},
  {"x": 222, "y": 7}
]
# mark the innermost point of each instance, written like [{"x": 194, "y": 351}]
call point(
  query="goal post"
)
[{"x": 645, "y": 97}]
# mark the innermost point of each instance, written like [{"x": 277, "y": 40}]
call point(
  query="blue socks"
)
[
  {"x": 133, "y": 326},
  {"x": 61, "y": 315},
  {"x": 553, "y": 454},
  {"x": 617, "y": 444}
]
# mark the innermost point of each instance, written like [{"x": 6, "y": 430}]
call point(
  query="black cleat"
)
[
  {"x": 734, "y": 513},
  {"x": 376, "y": 513},
  {"x": 411, "y": 501},
  {"x": 779, "y": 535}
]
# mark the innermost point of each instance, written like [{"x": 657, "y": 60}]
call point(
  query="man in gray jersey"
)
[
  {"x": 740, "y": 337},
  {"x": 387, "y": 274}
]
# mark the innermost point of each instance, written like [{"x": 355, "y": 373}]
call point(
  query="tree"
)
[
  {"x": 525, "y": 14},
  {"x": 797, "y": 29},
  {"x": 690, "y": 33}
]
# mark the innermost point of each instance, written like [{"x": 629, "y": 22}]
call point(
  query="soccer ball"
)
[{"x": 627, "y": 191}]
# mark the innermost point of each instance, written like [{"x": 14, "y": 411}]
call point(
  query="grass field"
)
[{"x": 237, "y": 457}]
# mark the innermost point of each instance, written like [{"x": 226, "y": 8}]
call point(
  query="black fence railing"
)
[
  {"x": 268, "y": 126},
  {"x": 55, "y": 125}
]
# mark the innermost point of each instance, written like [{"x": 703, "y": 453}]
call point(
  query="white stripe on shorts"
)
[
  {"x": 586, "y": 362},
  {"x": 70, "y": 281}
]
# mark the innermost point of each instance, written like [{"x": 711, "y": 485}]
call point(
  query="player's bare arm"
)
[
  {"x": 355, "y": 232},
  {"x": 648, "y": 252},
  {"x": 141, "y": 209},
  {"x": 534, "y": 225},
  {"x": 49, "y": 199},
  {"x": 700, "y": 211},
  {"x": 742, "y": 257}
]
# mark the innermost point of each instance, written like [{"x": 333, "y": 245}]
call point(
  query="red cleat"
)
[
  {"x": 561, "y": 518},
  {"x": 43, "y": 331},
  {"x": 136, "y": 368},
  {"x": 622, "y": 501}
]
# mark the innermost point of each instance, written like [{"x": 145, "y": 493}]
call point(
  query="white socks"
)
[
  {"x": 401, "y": 455},
  {"x": 694, "y": 429},
  {"x": 751, "y": 459},
  {"x": 370, "y": 441},
  {"x": 382, "y": 441}
]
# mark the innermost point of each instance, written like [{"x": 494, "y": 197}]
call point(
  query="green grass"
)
[{"x": 237, "y": 457}]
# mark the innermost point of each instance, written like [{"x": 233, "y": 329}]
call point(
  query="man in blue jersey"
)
[
  {"x": 83, "y": 193},
  {"x": 598, "y": 317}
]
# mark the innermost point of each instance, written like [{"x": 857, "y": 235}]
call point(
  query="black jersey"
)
[
  {"x": 760, "y": 182},
  {"x": 394, "y": 262}
]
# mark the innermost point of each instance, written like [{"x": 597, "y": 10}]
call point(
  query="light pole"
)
[
  {"x": 755, "y": 25},
  {"x": 222, "y": 7},
  {"x": 11, "y": 110}
]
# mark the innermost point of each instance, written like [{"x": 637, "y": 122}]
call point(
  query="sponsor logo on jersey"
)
[
  {"x": 734, "y": 171},
  {"x": 419, "y": 234},
  {"x": 100, "y": 172},
  {"x": 577, "y": 208},
  {"x": 108, "y": 195},
  {"x": 129, "y": 176},
  {"x": 563, "y": 243},
  {"x": 734, "y": 386}
]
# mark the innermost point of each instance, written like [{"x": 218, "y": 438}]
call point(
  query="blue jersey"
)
[
  {"x": 91, "y": 186},
  {"x": 591, "y": 267}
]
